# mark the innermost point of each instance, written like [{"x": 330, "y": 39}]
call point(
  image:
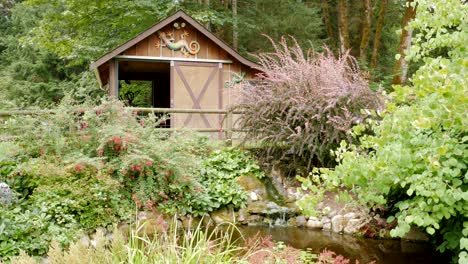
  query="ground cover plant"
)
[
  {"x": 303, "y": 103},
  {"x": 86, "y": 166},
  {"x": 413, "y": 168}
]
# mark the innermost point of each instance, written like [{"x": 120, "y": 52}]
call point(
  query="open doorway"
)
[
  {"x": 136, "y": 93},
  {"x": 145, "y": 84}
]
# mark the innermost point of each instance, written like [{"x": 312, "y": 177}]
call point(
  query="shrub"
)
[
  {"x": 414, "y": 166},
  {"x": 85, "y": 166},
  {"x": 303, "y": 105}
]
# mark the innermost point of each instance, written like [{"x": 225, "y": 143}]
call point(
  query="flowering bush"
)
[
  {"x": 304, "y": 105},
  {"x": 88, "y": 166}
]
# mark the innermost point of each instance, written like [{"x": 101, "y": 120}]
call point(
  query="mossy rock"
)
[
  {"x": 224, "y": 215},
  {"x": 269, "y": 208},
  {"x": 251, "y": 183},
  {"x": 152, "y": 223}
]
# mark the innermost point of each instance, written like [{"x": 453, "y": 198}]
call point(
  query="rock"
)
[
  {"x": 327, "y": 226},
  {"x": 124, "y": 229},
  {"x": 269, "y": 208},
  {"x": 353, "y": 226},
  {"x": 292, "y": 222},
  {"x": 223, "y": 215},
  {"x": 101, "y": 230},
  {"x": 207, "y": 221},
  {"x": 152, "y": 222},
  {"x": 277, "y": 178},
  {"x": 300, "y": 220},
  {"x": 293, "y": 194},
  {"x": 143, "y": 215},
  {"x": 338, "y": 223},
  {"x": 251, "y": 184},
  {"x": 350, "y": 216},
  {"x": 314, "y": 223},
  {"x": 190, "y": 222},
  {"x": 242, "y": 216},
  {"x": 293, "y": 206},
  {"x": 416, "y": 234},
  {"x": 326, "y": 210},
  {"x": 85, "y": 240},
  {"x": 385, "y": 234},
  {"x": 253, "y": 219},
  {"x": 280, "y": 222},
  {"x": 5, "y": 194},
  {"x": 268, "y": 221},
  {"x": 325, "y": 220},
  {"x": 253, "y": 196}
]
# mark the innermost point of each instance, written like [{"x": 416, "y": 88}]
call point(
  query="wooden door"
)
[{"x": 196, "y": 86}]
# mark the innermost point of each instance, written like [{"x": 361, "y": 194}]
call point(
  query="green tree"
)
[
  {"x": 30, "y": 75},
  {"x": 415, "y": 161},
  {"x": 276, "y": 19}
]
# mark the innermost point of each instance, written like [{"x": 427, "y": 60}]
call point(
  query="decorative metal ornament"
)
[
  {"x": 235, "y": 79},
  {"x": 168, "y": 40}
]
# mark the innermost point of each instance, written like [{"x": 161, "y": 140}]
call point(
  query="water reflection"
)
[{"x": 362, "y": 249}]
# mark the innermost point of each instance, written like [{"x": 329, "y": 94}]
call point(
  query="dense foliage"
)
[
  {"x": 219, "y": 172},
  {"x": 82, "y": 167},
  {"x": 304, "y": 105},
  {"x": 414, "y": 165},
  {"x": 46, "y": 46}
]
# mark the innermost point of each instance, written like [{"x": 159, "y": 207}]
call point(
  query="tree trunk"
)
[
  {"x": 366, "y": 24},
  {"x": 343, "y": 22},
  {"x": 235, "y": 26},
  {"x": 326, "y": 18},
  {"x": 400, "y": 70},
  {"x": 378, "y": 32}
]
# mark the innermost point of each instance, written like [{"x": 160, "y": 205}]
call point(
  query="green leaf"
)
[{"x": 430, "y": 230}]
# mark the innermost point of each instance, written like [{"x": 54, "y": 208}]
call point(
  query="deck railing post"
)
[{"x": 229, "y": 128}]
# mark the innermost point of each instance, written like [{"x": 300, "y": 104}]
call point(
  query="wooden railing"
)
[{"x": 226, "y": 126}]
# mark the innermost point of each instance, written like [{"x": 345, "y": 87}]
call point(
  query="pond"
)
[{"x": 355, "y": 248}]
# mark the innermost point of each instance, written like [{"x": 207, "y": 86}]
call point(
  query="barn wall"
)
[
  {"x": 208, "y": 50},
  {"x": 148, "y": 47}
]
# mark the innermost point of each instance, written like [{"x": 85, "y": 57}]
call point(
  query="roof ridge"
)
[{"x": 166, "y": 21}]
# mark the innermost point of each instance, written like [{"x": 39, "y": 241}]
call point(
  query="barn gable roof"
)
[{"x": 179, "y": 14}]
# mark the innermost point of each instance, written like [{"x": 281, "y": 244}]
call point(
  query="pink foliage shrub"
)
[{"x": 304, "y": 104}]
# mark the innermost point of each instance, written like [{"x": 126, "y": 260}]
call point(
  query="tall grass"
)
[
  {"x": 173, "y": 245},
  {"x": 200, "y": 245}
]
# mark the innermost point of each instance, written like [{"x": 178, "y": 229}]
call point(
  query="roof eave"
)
[{"x": 154, "y": 28}]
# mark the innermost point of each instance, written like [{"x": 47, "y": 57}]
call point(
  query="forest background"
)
[{"x": 46, "y": 46}]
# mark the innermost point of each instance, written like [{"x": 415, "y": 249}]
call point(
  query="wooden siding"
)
[{"x": 208, "y": 49}]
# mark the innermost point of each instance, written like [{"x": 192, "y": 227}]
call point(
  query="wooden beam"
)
[
  {"x": 165, "y": 59},
  {"x": 177, "y": 110},
  {"x": 114, "y": 78}
]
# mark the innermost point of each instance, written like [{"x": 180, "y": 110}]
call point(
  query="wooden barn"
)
[{"x": 187, "y": 66}]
